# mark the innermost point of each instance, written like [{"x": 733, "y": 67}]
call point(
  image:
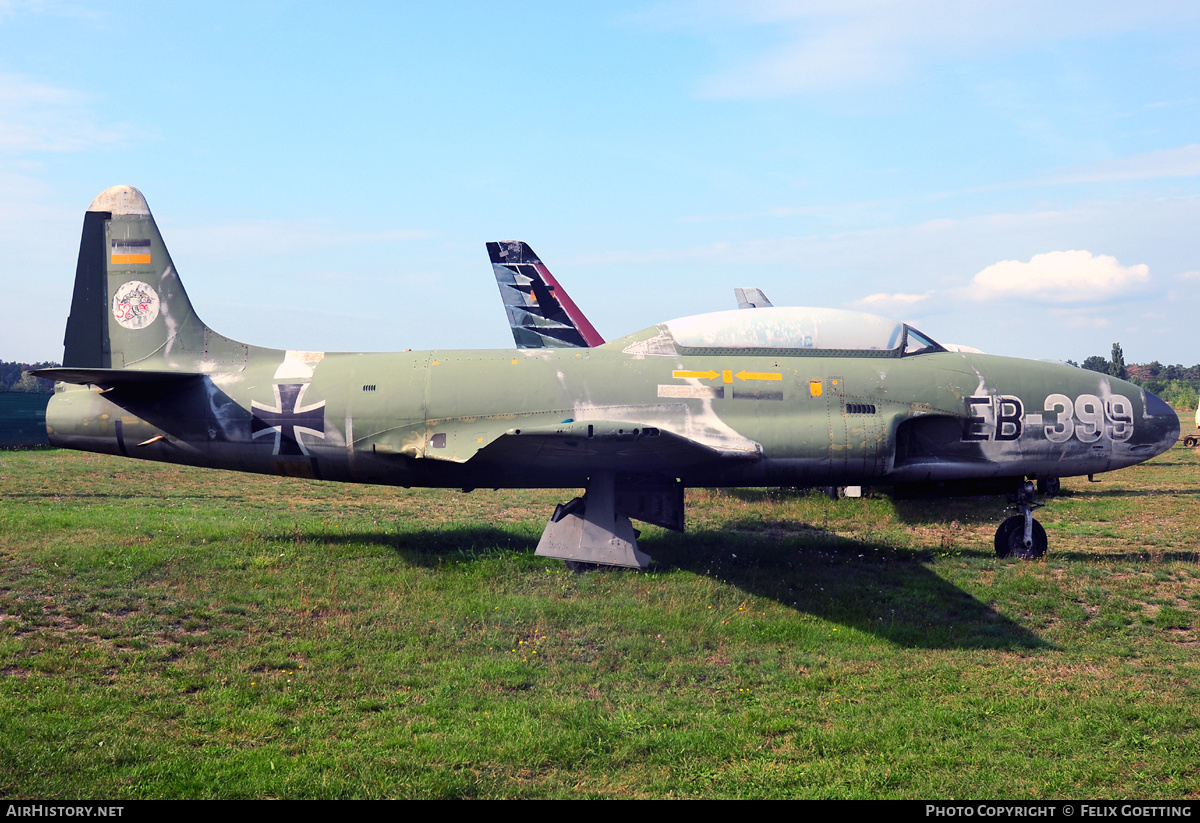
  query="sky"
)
[{"x": 1020, "y": 177}]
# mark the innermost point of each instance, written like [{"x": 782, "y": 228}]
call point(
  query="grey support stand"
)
[{"x": 589, "y": 529}]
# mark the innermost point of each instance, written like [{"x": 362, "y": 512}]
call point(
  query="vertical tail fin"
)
[
  {"x": 129, "y": 309},
  {"x": 751, "y": 299},
  {"x": 540, "y": 312}
]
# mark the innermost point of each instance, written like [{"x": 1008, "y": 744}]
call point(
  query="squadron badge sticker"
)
[{"x": 135, "y": 305}]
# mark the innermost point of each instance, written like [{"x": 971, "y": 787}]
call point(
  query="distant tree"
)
[
  {"x": 1181, "y": 395},
  {"x": 28, "y": 384},
  {"x": 1176, "y": 382},
  {"x": 9, "y": 373},
  {"x": 1143, "y": 373},
  {"x": 1096, "y": 363},
  {"x": 1116, "y": 366},
  {"x": 15, "y": 377}
]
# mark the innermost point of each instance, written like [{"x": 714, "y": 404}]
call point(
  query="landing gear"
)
[
  {"x": 1021, "y": 536},
  {"x": 1049, "y": 486},
  {"x": 1010, "y": 539},
  {"x": 1190, "y": 441}
]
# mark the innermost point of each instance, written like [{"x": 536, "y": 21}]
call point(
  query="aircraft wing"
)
[
  {"x": 611, "y": 444},
  {"x": 540, "y": 312}
]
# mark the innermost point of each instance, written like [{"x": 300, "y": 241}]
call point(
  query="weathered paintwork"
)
[
  {"x": 772, "y": 396},
  {"x": 540, "y": 312}
]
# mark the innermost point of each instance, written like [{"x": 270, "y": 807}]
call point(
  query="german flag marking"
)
[{"x": 127, "y": 252}]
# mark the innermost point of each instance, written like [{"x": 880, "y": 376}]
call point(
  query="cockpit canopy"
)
[{"x": 803, "y": 331}]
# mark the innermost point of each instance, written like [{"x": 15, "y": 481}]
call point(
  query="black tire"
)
[
  {"x": 1002, "y": 532},
  {"x": 1190, "y": 442},
  {"x": 1049, "y": 486},
  {"x": 1016, "y": 541}
]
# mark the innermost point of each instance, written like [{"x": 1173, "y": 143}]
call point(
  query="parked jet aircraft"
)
[{"x": 803, "y": 397}]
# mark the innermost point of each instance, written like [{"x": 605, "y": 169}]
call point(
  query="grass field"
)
[{"x": 173, "y": 632}]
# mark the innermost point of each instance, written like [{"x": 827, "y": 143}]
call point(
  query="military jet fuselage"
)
[{"x": 773, "y": 396}]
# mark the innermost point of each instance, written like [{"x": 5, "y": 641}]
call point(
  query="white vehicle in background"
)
[{"x": 1194, "y": 439}]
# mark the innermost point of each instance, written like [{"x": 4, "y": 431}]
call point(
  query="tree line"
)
[
  {"x": 1179, "y": 385},
  {"x": 16, "y": 377}
]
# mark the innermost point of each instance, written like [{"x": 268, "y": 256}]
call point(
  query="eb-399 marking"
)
[{"x": 1001, "y": 417}]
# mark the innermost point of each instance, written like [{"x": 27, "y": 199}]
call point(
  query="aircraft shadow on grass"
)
[
  {"x": 1132, "y": 556},
  {"x": 865, "y": 585},
  {"x": 930, "y": 511},
  {"x": 1137, "y": 492}
]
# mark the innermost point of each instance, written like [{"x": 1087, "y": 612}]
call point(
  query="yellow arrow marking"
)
[
  {"x": 759, "y": 375},
  {"x": 703, "y": 375}
]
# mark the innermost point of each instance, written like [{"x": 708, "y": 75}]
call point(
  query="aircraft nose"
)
[{"x": 1163, "y": 422}]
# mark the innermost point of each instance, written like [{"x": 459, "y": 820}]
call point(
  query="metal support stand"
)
[{"x": 589, "y": 529}]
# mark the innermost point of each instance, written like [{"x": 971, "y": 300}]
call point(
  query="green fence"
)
[{"x": 23, "y": 420}]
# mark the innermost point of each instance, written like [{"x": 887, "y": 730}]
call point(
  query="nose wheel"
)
[
  {"x": 1010, "y": 539},
  {"x": 1021, "y": 536}
]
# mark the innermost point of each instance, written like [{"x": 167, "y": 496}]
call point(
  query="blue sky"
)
[{"x": 1016, "y": 176}]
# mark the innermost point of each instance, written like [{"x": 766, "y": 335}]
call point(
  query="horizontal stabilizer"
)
[{"x": 106, "y": 378}]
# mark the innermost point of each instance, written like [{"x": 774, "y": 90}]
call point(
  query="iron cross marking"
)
[{"x": 288, "y": 419}]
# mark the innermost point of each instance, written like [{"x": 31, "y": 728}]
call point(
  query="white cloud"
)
[
  {"x": 1080, "y": 317},
  {"x": 10, "y": 9},
  {"x": 1182, "y": 161},
  {"x": 822, "y": 46},
  {"x": 256, "y": 238},
  {"x": 889, "y": 303},
  {"x": 37, "y": 116},
  {"x": 1059, "y": 277}
]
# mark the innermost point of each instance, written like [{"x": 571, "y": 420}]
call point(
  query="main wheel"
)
[
  {"x": 1190, "y": 441},
  {"x": 1049, "y": 486}
]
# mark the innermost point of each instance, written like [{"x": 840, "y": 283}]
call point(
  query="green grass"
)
[{"x": 172, "y": 632}]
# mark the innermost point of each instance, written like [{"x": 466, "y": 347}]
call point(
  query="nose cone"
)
[{"x": 1162, "y": 425}]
